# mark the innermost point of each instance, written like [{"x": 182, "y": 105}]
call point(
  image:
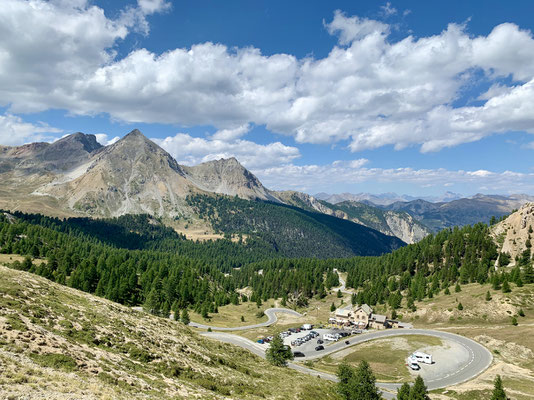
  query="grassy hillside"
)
[{"x": 59, "y": 343}]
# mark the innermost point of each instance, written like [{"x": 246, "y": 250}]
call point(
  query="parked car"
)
[
  {"x": 260, "y": 341},
  {"x": 319, "y": 348},
  {"x": 298, "y": 354},
  {"x": 347, "y": 342},
  {"x": 320, "y": 341},
  {"x": 414, "y": 366}
]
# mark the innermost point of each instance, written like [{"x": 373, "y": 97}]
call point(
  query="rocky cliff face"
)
[
  {"x": 405, "y": 227},
  {"x": 513, "y": 233},
  {"x": 399, "y": 224}
]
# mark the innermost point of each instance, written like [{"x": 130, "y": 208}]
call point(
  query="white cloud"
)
[
  {"x": 153, "y": 6},
  {"x": 103, "y": 139},
  {"x": 231, "y": 133},
  {"x": 193, "y": 150},
  {"x": 358, "y": 163},
  {"x": 354, "y": 28},
  {"x": 314, "y": 178},
  {"x": 388, "y": 10},
  {"x": 14, "y": 131},
  {"x": 369, "y": 90}
]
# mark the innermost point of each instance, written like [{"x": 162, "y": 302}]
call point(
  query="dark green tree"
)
[
  {"x": 185, "y": 317},
  {"x": 346, "y": 378},
  {"x": 498, "y": 390},
  {"x": 403, "y": 393},
  {"x": 419, "y": 390},
  {"x": 278, "y": 354},
  {"x": 506, "y": 286},
  {"x": 365, "y": 383}
]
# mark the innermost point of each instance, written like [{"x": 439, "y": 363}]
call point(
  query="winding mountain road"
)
[
  {"x": 478, "y": 361},
  {"x": 270, "y": 312}
]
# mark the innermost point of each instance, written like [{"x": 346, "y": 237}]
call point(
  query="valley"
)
[{"x": 125, "y": 231}]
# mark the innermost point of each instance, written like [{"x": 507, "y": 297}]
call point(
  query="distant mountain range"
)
[
  {"x": 448, "y": 212},
  {"x": 76, "y": 176},
  {"x": 383, "y": 199}
]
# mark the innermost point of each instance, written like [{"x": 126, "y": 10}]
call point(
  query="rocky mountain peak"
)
[
  {"x": 513, "y": 232},
  {"x": 74, "y": 142},
  {"x": 228, "y": 176}
]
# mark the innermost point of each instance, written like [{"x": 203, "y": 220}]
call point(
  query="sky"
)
[{"x": 412, "y": 97}]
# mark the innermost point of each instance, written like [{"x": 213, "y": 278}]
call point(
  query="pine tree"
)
[
  {"x": 345, "y": 375},
  {"x": 488, "y": 296},
  {"x": 460, "y": 306},
  {"x": 506, "y": 286},
  {"x": 278, "y": 353},
  {"x": 403, "y": 393},
  {"x": 419, "y": 390},
  {"x": 514, "y": 321},
  {"x": 528, "y": 273},
  {"x": 339, "y": 294},
  {"x": 498, "y": 390},
  {"x": 365, "y": 383},
  {"x": 457, "y": 288},
  {"x": 185, "y": 317},
  {"x": 152, "y": 303},
  {"x": 333, "y": 307}
]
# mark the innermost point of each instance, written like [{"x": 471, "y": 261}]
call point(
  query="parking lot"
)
[{"x": 307, "y": 341}]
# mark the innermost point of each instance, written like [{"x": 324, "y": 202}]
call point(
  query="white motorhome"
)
[
  {"x": 331, "y": 336},
  {"x": 422, "y": 357}
]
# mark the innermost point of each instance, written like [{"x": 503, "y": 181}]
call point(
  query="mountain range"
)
[
  {"x": 77, "y": 176},
  {"x": 383, "y": 199}
]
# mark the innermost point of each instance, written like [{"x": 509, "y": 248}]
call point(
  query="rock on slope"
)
[
  {"x": 59, "y": 343},
  {"x": 513, "y": 233}
]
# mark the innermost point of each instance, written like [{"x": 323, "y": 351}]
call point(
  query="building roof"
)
[
  {"x": 342, "y": 312},
  {"x": 365, "y": 308},
  {"x": 379, "y": 318},
  {"x": 405, "y": 325}
]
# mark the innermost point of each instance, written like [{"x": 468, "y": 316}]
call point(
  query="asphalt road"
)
[
  {"x": 479, "y": 357},
  {"x": 270, "y": 312}
]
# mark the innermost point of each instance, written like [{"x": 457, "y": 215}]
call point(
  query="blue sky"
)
[{"x": 410, "y": 97}]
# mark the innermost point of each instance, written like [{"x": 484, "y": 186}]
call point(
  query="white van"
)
[
  {"x": 331, "y": 336},
  {"x": 422, "y": 357}
]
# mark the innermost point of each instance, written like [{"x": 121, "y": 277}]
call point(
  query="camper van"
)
[{"x": 422, "y": 357}]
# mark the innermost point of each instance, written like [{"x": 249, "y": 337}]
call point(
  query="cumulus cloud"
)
[
  {"x": 190, "y": 150},
  {"x": 104, "y": 140},
  {"x": 354, "y": 28},
  {"x": 14, "y": 131},
  {"x": 231, "y": 133},
  {"x": 369, "y": 90},
  {"x": 314, "y": 178}
]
